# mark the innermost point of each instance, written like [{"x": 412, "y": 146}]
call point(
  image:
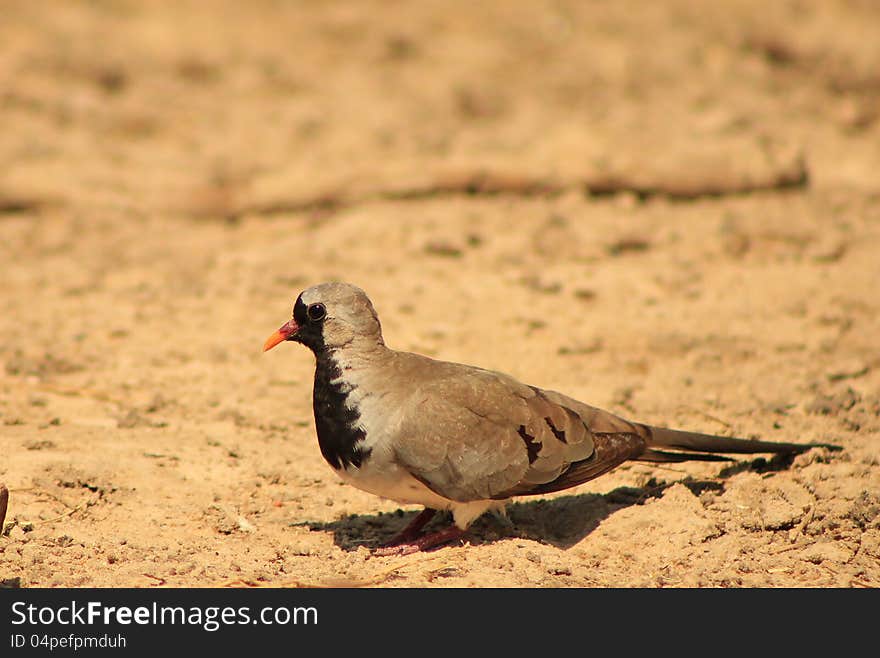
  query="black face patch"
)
[
  {"x": 532, "y": 446},
  {"x": 310, "y": 332},
  {"x": 300, "y": 313}
]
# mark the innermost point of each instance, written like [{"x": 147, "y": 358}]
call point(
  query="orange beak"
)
[{"x": 287, "y": 330}]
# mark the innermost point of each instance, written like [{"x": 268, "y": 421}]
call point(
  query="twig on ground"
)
[
  {"x": 159, "y": 581},
  {"x": 370, "y": 581}
]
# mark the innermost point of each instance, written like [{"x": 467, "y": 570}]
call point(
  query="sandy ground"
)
[{"x": 669, "y": 212}]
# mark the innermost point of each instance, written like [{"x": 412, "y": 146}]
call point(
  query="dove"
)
[{"x": 456, "y": 437}]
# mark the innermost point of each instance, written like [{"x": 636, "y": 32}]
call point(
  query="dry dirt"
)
[{"x": 668, "y": 210}]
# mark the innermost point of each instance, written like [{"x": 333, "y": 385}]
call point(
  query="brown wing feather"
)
[{"x": 611, "y": 450}]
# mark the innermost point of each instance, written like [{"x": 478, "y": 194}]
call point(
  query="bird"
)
[{"x": 456, "y": 437}]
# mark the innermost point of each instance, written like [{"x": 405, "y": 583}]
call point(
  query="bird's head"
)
[{"x": 330, "y": 316}]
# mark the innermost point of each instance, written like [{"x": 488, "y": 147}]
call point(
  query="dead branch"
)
[{"x": 4, "y": 502}]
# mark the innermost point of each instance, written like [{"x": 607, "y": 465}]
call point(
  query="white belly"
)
[
  {"x": 394, "y": 483},
  {"x": 390, "y": 481}
]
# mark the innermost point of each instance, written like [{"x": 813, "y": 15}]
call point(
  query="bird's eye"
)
[{"x": 316, "y": 312}]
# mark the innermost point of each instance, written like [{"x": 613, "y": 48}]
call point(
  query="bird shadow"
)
[{"x": 561, "y": 522}]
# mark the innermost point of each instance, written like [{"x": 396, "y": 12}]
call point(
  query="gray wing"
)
[{"x": 472, "y": 434}]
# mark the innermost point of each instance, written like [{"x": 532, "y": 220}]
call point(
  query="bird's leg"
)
[
  {"x": 410, "y": 532},
  {"x": 422, "y": 543}
]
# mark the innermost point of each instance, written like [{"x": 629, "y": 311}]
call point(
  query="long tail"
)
[{"x": 693, "y": 446}]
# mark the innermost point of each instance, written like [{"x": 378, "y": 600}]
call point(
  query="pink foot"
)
[{"x": 422, "y": 543}]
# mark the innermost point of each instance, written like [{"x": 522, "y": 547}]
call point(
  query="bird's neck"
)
[{"x": 356, "y": 354}]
